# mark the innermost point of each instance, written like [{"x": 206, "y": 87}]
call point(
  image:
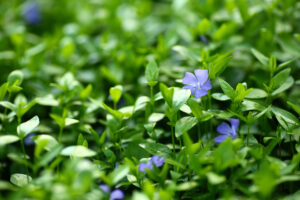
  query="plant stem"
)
[
  {"x": 24, "y": 152},
  {"x": 248, "y": 133},
  {"x": 60, "y": 134},
  {"x": 152, "y": 97},
  {"x": 173, "y": 138}
]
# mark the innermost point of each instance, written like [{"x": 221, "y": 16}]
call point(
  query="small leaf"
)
[
  {"x": 78, "y": 151},
  {"x": 257, "y": 94},
  {"x": 295, "y": 107},
  {"x": 151, "y": 73},
  {"x": 119, "y": 173},
  {"x": 115, "y": 93},
  {"x": 70, "y": 121},
  {"x": 48, "y": 100},
  {"x": 285, "y": 118},
  {"x": 280, "y": 78},
  {"x": 50, "y": 141},
  {"x": 215, "y": 179},
  {"x": 167, "y": 94},
  {"x": 227, "y": 89},
  {"x": 262, "y": 58},
  {"x": 7, "y": 139},
  {"x": 20, "y": 180},
  {"x": 15, "y": 78},
  {"x": 286, "y": 85},
  {"x": 185, "y": 124},
  {"x": 27, "y": 127},
  {"x": 180, "y": 96},
  {"x": 155, "y": 117}
]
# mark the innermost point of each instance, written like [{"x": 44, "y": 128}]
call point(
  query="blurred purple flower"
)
[
  {"x": 144, "y": 166},
  {"x": 28, "y": 139},
  {"x": 158, "y": 161},
  {"x": 227, "y": 131},
  {"x": 32, "y": 14},
  {"x": 155, "y": 160},
  {"x": 116, "y": 194},
  {"x": 105, "y": 188},
  {"x": 199, "y": 83}
]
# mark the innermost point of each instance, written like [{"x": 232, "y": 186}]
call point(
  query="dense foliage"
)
[{"x": 183, "y": 99}]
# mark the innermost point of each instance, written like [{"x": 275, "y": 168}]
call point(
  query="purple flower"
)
[
  {"x": 158, "y": 161},
  {"x": 28, "y": 139},
  {"x": 155, "y": 160},
  {"x": 117, "y": 194},
  {"x": 199, "y": 84},
  {"x": 227, "y": 131},
  {"x": 144, "y": 166},
  {"x": 32, "y": 14},
  {"x": 105, "y": 188}
]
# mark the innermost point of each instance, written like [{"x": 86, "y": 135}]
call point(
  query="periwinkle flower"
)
[
  {"x": 158, "y": 161},
  {"x": 227, "y": 131},
  {"x": 28, "y": 139},
  {"x": 199, "y": 83},
  {"x": 32, "y": 14},
  {"x": 105, "y": 188},
  {"x": 116, "y": 194},
  {"x": 155, "y": 160},
  {"x": 144, "y": 166}
]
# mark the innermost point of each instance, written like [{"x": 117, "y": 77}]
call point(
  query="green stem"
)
[
  {"x": 60, "y": 134},
  {"x": 24, "y": 152},
  {"x": 152, "y": 97},
  {"x": 173, "y": 138},
  {"x": 199, "y": 130},
  {"x": 248, "y": 133}
]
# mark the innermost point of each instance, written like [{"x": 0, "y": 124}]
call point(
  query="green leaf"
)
[
  {"x": 286, "y": 119},
  {"x": 152, "y": 73},
  {"x": 3, "y": 90},
  {"x": 185, "y": 124},
  {"x": 186, "y": 186},
  {"x": 219, "y": 64},
  {"x": 227, "y": 89},
  {"x": 50, "y": 141},
  {"x": 220, "y": 96},
  {"x": 167, "y": 94},
  {"x": 195, "y": 108},
  {"x": 156, "y": 149},
  {"x": 155, "y": 117},
  {"x": 20, "y": 180},
  {"x": 257, "y": 94},
  {"x": 204, "y": 26},
  {"x": 280, "y": 78},
  {"x": 27, "y": 127},
  {"x": 47, "y": 100},
  {"x": 7, "y": 139},
  {"x": 15, "y": 78},
  {"x": 262, "y": 58},
  {"x": 85, "y": 93},
  {"x": 115, "y": 93},
  {"x": 295, "y": 107},
  {"x": 242, "y": 5},
  {"x": 119, "y": 173},
  {"x": 70, "y": 121},
  {"x": 286, "y": 85},
  {"x": 214, "y": 178},
  {"x": 180, "y": 96},
  {"x": 118, "y": 115},
  {"x": 8, "y": 105},
  {"x": 78, "y": 151}
]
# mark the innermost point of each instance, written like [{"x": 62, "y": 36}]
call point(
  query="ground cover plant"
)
[{"x": 183, "y": 99}]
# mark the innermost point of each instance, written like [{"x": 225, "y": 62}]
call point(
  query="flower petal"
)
[
  {"x": 157, "y": 161},
  {"x": 104, "y": 188},
  {"x": 234, "y": 123},
  {"x": 200, "y": 93},
  {"x": 202, "y": 75},
  {"x": 206, "y": 85},
  {"x": 117, "y": 195},
  {"x": 144, "y": 166},
  {"x": 189, "y": 79},
  {"x": 224, "y": 129},
  {"x": 220, "y": 138},
  {"x": 190, "y": 87}
]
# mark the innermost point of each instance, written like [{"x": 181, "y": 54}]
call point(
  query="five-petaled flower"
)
[
  {"x": 199, "y": 83},
  {"x": 32, "y": 14},
  {"x": 227, "y": 131},
  {"x": 116, "y": 194},
  {"x": 155, "y": 160}
]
